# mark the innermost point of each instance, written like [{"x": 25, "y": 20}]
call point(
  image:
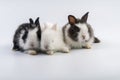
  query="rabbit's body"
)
[
  {"x": 27, "y": 37},
  {"x": 31, "y": 41},
  {"x": 52, "y": 40},
  {"x": 78, "y": 33}
]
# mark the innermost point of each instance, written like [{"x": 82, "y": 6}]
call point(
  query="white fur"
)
[
  {"x": 81, "y": 42},
  {"x": 53, "y": 39},
  {"x": 32, "y": 39}
]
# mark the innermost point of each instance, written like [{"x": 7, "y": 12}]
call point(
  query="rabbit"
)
[
  {"x": 27, "y": 37},
  {"x": 78, "y": 33},
  {"x": 52, "y": 40}
]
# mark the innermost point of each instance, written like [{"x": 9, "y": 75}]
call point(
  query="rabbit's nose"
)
[
  {"x": 32, "y": 44},
  {"x": 46, "y": 47},
  {"x": 83, "y": 36}
]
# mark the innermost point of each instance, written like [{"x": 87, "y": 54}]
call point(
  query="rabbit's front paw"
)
[
  {"x": 32, "y": 52},
  {"x": 50, "y": 52},
  {"x": 88, "y": 46},
  {"x": 66, "y": 50}
]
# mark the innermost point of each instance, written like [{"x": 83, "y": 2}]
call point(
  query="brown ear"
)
[
  {"x": 72, "y": 19},
  {"x": 84, "y": 17}
]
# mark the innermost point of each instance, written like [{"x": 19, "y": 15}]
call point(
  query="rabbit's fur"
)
[
  {"x": 78, "y": 33},
  {"x": 27, "y": 37},
  {"x": 52, "y": 40}
]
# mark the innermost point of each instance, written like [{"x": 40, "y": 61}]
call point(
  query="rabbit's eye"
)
[
  {"x": 75, "y": 28},
  {"x": 73, "y": 34}
]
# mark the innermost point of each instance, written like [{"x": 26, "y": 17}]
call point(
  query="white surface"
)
[{"x": 102, "y": 62}]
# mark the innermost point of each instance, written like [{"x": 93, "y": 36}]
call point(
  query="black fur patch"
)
[
  {"x": 96, "y": 40},
  {"x": 22, "y": 27},
  {"x": 73, "y": 32},
  {"x": 16, "y": 47},
  {"x": 24, "y": 37},
  {"x": 39, "y": 34},
  {"x": 84, "y": 18},
  {"x": 39, "y": 28}
]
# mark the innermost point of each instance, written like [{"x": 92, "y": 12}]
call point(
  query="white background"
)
[{"x": 102, "y": 62}]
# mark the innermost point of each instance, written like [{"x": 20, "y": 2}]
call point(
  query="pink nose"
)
[{"x": 83, "y": 36}]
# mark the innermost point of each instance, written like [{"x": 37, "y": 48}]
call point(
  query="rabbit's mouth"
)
[{"x": 83, "y": 37}]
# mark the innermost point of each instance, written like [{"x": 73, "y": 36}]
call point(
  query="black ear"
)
[
  {"x": 37, "y": 21},
  {"x": 31, "y": 21},
  {"x": 72, "y": 19},
  {"x": 84, "y": 17}
]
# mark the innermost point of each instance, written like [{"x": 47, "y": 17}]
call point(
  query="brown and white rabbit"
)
[
  {"x": 78, "y": 33},
  {"x": 27, "y": 37}
]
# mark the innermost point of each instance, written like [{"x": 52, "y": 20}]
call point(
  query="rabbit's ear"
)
[
  {"x": 54, "y": 27},
  {"x": 72, "y": 19},
  {"x": 37, "y": 21},
  {"x": 31, "y": 21},
  {"x": 84, "y": 17},
  {"x": 45, "y": 26}
]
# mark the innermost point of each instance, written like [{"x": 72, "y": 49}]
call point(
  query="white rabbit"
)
[
  {"x": 78, "y": 33},
  {"x": 52, "y": 40}
]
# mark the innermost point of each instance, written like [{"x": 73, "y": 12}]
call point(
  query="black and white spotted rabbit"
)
[
  {"x": 78, "y": 33},
  {"x": 27, "y": 37}
]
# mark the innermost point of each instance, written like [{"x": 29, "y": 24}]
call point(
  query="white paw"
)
[
  {"x": 88, "y": 46},
  {"x": 66, "y": 50},
  {"x": 50, "y": 52},
  {"x": 32, "y": 52}
]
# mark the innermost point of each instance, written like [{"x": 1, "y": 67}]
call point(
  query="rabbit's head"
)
[
  {"x": 78, "y": 27},
  {"x": 34, "y": 24},
  {"x": 48, "y": 39}
]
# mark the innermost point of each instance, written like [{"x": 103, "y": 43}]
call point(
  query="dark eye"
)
[
  {"x": 74, "y": 30},
  {"x": 77, "y": 29},
  {"x": 73, "y": 34}
]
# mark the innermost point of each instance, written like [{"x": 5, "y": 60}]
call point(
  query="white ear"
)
[
  {"x": 54, "y": 27},
  {"x": 45, "y": 26}
]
